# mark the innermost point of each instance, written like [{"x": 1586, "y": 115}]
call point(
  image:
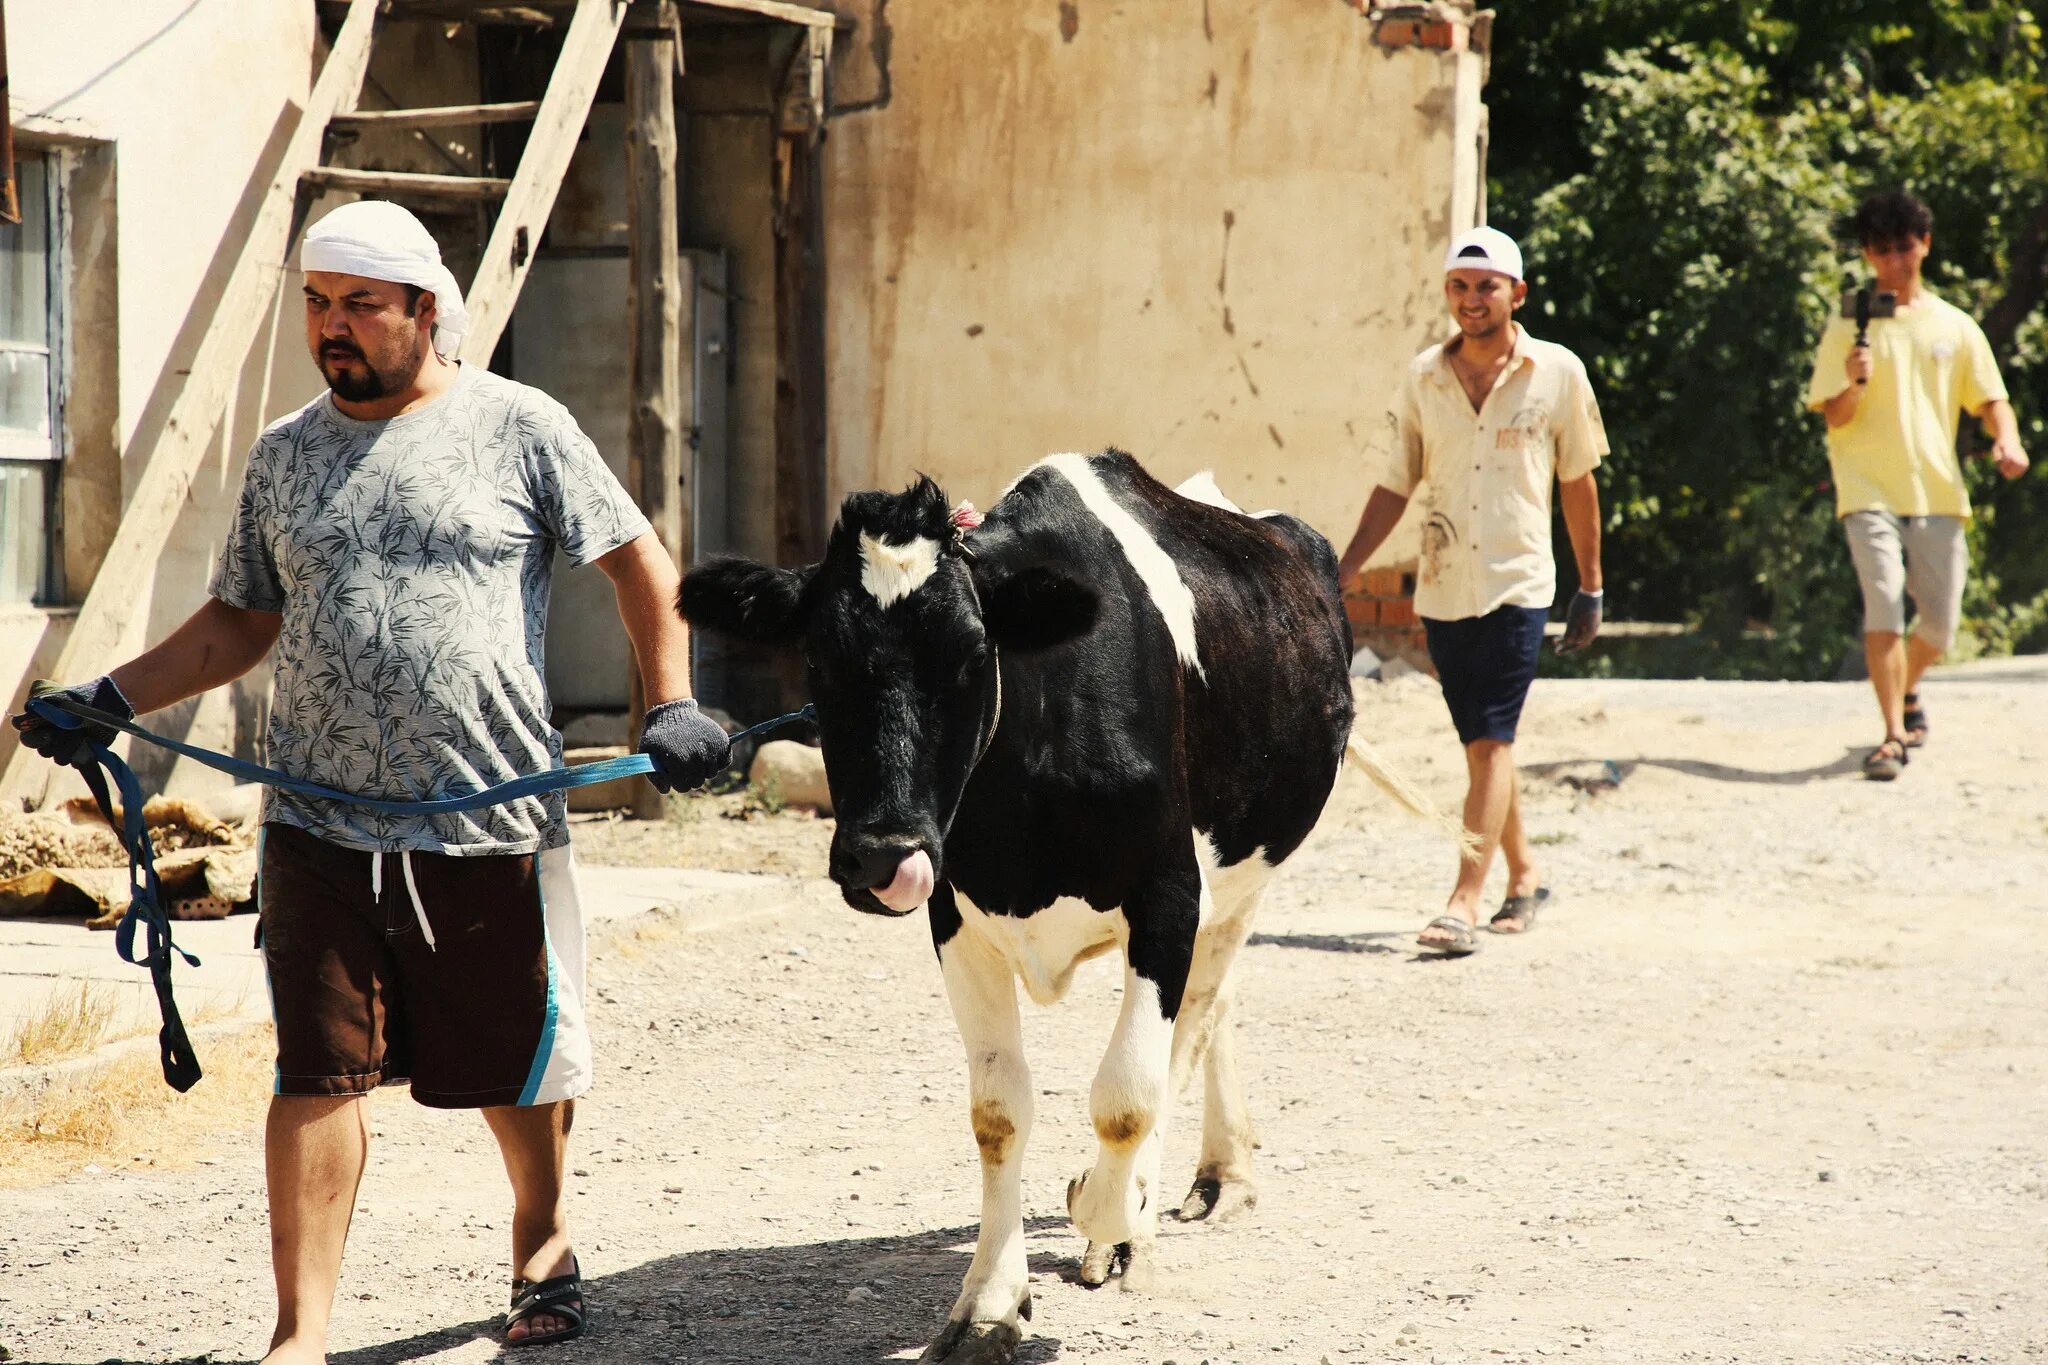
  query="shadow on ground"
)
[
  {"x": 1381, "y": 943},
  {"x": 748, "y": 1306},
  {"x": 1569, "y": 771}
]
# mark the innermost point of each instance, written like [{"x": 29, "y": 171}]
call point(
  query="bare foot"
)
[{"x": 297, "y": 1351}]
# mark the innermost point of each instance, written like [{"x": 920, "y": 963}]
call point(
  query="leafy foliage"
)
[{"x": 1680, "y": 171}]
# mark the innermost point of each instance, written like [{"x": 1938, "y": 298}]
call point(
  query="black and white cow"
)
[{"x": 1095, "y": 724}]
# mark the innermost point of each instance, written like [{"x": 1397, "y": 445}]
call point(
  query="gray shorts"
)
[{"x": 1925, "y": 558}]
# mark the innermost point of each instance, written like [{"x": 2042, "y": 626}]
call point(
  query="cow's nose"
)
[{"x": 871, "y": 863}]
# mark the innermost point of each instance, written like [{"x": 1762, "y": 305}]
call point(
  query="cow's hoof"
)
[
  {"x": 1218, "y": 1201},
  {"x": 974, "y": 1343},
  {"x": 1099, "y": 1262}
]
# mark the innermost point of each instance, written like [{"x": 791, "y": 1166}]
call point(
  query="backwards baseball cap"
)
[{"x": 1484, "y": 248}]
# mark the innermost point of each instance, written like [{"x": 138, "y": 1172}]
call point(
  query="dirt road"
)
[{"x": 1769, "y": 1085}]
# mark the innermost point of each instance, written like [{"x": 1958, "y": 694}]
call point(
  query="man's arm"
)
[
  {"x": 2004, "y": 427},
  {"x": 1841, "y": 409},
  {"x": 1382, "y": 513},
  {"x": 217, "y": 644},
  {"x": 645, "y": 580},
  {"x": 1579, "y": 499}
]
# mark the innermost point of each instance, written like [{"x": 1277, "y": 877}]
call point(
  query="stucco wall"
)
[
  {"x": 195, "y": 101},
  {"x": 191, "y": 98},
  {"x": 1208, "y": 233}
]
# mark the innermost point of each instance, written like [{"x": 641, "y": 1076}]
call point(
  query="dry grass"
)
[
  {"x": 66, "y": 1026},
  {"x": 123, "y": 1113}
]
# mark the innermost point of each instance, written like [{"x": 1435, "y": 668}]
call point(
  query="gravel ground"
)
[{"x": 1768, "y": 1085}]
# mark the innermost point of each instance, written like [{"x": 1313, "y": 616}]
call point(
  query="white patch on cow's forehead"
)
[
  {"x": 891, "y": 573},
  {"x": 1155, "y": 568}
]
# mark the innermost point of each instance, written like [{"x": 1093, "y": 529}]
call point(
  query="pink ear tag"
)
[{"x": 965, "y": 518}]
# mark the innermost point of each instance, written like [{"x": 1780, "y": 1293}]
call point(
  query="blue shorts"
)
[{"x": 1486, "y": 664}]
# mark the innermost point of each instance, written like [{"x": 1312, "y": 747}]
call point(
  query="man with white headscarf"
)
[{"x": 394, "y": 540}]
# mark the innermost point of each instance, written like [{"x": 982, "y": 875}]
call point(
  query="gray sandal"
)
[
  {"x": 1461, "y": 939},
  {"x": 1521, "y": 908}
]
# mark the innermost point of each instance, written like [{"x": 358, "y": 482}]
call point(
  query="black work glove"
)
[
  {"x": 61, "y": 745},
  {"x": 687, "y": 746},
  {"x": 1581, "y": 622}
]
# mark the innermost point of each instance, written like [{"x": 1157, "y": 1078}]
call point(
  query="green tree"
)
[{"x": 1681, "y": 171}]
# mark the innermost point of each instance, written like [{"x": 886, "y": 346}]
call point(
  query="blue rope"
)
[{"x": 146, "y": 909}]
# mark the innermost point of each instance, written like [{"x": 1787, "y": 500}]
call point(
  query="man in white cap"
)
[
  {"x": 394, "y": 541},
  {"x": 1485, "y": 422}
]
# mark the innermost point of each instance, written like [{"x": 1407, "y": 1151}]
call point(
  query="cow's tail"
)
[{"x": 1405, "y": 794}]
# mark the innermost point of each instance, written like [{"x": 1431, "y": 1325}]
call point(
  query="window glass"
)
[
  {"x": 25, "y": 320},
  {"x": 24, "y": 514},
  {"x": 29, "y": 447}
]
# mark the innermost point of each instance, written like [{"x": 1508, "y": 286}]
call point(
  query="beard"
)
[{"x": 368, "y": 383}]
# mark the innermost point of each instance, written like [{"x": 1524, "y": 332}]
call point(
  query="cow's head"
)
[{"x": 900, "y": 624}]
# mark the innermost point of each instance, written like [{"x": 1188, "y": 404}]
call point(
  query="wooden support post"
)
[
  {"x": 563, "y": 111},
  {"x": 800, "y": 488},
  {"x": 654, "y": 312},
  {"x": 130, "y": 564},
  {"x": 10, "y": 202}
]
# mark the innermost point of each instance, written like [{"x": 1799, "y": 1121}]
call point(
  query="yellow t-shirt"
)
[{"x": 1898, "y": 455}]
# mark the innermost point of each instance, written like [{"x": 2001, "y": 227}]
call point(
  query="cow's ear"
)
[
  {"x": 1037, "y": 609},
  {"x": 746, "y": 600}
]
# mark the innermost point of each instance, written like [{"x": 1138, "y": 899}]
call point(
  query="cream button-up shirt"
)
[{"x": 1487, "y": 475}]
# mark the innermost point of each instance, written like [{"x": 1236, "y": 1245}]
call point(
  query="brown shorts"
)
[{"x": 489, "y": 1013}]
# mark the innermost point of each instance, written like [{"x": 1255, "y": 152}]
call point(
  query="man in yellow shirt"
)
[
  {"x": 1486, "y": 424},
  {"x": 1891, "y": 409}
]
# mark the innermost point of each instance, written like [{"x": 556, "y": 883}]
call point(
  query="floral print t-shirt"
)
[{"x": 411, "y": 561}]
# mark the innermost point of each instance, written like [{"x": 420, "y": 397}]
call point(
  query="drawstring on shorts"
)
[{"x": 419, "y": 911}]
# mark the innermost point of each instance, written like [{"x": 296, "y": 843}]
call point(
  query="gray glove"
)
[
  {"x": 687, "y": 746},
  {"x": 1581, "y": 622},
  {"x": 59, "y": 744}
]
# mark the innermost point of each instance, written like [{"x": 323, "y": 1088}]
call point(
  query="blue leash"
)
[{"x": 146, "y": 909}]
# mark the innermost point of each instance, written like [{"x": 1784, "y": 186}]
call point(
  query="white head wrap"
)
[{"x": 382, "y": 241}]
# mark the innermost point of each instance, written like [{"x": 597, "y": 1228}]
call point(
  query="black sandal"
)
[
  {"x": 560, "y": 1297},
  {"x": 1521, "y": 909},
  {"x": 1886, "y": 761},
  {"x": 1915, "y": 721}
]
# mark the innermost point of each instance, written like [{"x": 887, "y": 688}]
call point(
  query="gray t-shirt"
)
[{"x": 411, "y": 560}]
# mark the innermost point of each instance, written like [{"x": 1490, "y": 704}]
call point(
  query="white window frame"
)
[{"x": 26, "y": 445}]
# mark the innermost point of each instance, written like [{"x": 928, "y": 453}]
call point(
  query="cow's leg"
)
[
  {"x": 1223, "y": 1185},
  {"x": 1223, "y": 1178},
  {"x": 1116, "y": 1203},
  {"x": 984, "y": 1326}
]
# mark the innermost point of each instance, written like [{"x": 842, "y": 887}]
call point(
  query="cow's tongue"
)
[{"x": 912, "y": 884}]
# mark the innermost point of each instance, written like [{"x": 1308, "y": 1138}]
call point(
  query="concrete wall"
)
[
  {"x": 173, "y": 117},
  {"x": 148, "y": 85},
  {"x": 1209, "y": 233}
]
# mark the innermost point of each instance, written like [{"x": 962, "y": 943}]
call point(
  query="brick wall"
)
[
  {"x": 1381, "y": 606},
  {"x": 1433, "y": 24}
]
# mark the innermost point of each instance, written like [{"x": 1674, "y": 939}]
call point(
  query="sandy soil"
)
[{"x": 1768, "y": 1086}]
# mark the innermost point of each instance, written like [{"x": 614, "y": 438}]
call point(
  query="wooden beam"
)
[
  {"x": 542, "y": 13},
  {"x": 585, "y": 49},
  {"x": 407, "y": 184},
  {"x": 443, "y": 116},
  {"x": 779, "y": 10},
  {"x": 654, "y": 309},
  {"x": 10, "y": 201},
  {"x": 800, "y": 485},
  {"x": 119, "y": 589}
]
